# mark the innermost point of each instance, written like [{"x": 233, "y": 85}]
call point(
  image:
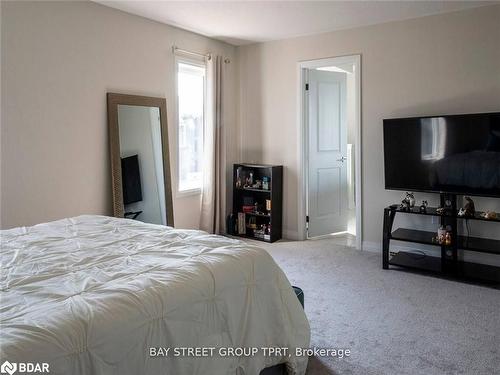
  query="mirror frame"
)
[{"x": 113, "y": 100}]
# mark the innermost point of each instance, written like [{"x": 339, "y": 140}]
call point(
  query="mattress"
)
[{"x": 102, "y": 295}]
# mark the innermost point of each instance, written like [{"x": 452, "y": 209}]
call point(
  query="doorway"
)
[{"x": 330, "y": 138}]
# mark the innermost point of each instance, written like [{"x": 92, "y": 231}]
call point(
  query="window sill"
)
[{"x": 187, "y": 193}]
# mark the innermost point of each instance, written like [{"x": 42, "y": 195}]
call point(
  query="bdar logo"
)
[
  {"x": 8, "y": 368},
  {"x": 24, "y": 367}
]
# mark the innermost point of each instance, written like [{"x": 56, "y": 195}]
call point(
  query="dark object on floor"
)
[
  {"x": 300, "y": 294},
  {"x": 281, "y": 368},
  {"x": 275, "y": 370}
]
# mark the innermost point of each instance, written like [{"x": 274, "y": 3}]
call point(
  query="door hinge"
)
[
  {"x": 307, "y": 86},
  {"x": 307, "y": 218}
]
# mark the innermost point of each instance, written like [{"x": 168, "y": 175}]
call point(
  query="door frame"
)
[{"x": 303, "y": 115}]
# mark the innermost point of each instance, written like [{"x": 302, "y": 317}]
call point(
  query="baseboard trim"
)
[
  {"x": 292, "y": 235},
  {"x": 374, "y": 247}
]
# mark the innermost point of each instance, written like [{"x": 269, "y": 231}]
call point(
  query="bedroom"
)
[{"x": 59, "y": 60}]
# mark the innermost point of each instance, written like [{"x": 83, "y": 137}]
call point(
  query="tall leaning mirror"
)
[{"x": 140, "y": 163}]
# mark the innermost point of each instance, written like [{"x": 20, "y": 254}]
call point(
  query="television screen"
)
[
  {"x": 131, "y": 180},
  {"x": 453, "y": 154}
]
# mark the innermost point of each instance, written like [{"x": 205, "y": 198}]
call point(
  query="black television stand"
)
[{"x": 447, "y": 265}]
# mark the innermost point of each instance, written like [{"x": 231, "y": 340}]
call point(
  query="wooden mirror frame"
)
[{"x": 114, "y": 100}]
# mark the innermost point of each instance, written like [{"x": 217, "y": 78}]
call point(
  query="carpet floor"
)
[{"x": 393, "y": 322}]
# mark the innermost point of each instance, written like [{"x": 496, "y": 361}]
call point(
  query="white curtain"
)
[{"x": 213, "y": 189}]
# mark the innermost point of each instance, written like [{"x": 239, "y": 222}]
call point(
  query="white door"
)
[{"x": 327, "y": 153}]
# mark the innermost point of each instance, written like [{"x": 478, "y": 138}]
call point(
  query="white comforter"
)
[{"x": 92, "y": 294}]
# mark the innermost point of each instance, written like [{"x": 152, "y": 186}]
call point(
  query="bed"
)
[{"x": 93, "y": 295}]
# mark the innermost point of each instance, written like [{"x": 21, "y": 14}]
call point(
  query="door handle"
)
[{"x": 342, "y": 159}]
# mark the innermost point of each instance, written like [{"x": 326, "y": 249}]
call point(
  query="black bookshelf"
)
[
  {"x": 447, "y": 265},
  {"x": 247, "y": 194}
]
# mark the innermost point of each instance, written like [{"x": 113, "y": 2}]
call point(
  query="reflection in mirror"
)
[
  {"x": 140, "y": 166},
  {"x": 142, "y": 163}
]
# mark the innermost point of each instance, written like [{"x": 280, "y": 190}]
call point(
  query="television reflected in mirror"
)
[{"x": 131, "y": 180}]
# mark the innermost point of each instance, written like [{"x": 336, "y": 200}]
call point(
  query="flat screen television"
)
[
  {"x": 458, "y": 154},
  {"x": 131, "y": 180}
]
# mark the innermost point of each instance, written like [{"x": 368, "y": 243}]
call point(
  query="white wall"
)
[
  {"x": 59, "y": 59},
  {"x": 433, "y": 65}
]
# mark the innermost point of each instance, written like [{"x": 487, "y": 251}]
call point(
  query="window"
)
[{"x": 191, "y": 105}]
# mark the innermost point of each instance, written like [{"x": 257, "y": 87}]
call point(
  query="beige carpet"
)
[{"x": 393, "y": 322}]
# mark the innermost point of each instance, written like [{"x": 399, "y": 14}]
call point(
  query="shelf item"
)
[
  {"x": 248, "y": 209},
  {"x": 265, "y": 225},
  {"x": 258, "y": 214},
  {"x": 241, "y": 223},
  {"x": 255, "y": 190},
  {"x": 483, "y": 245},
  {"x": 431, "y": 211},
  {"x": 448, "y": 264}
]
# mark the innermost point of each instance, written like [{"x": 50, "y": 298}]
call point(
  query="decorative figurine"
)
[
  {"x": 408, "y": 202},
  {"x": 265, "y": 183},
  {"x": 423, "y": 207},
  {"x": 411, "y": 199},
  {"x": 268, "y": 205},
  {"x": 441, "y": 235},
  {"x": 447, "y": 239},
  {"x": 444, "y": 211},
  {"x": 258, "y": 184},
  {"x": 489, "y": 215},
  {"x": 468, "y": 210},
  {"x": 238, "y": 178}
]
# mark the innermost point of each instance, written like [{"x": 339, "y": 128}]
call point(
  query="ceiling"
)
[{"x": 245, "y": 22}]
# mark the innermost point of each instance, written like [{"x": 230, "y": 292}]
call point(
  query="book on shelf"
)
[
  {"x": 241, "y": 223},
  {"x": 248, "y": 209}
]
